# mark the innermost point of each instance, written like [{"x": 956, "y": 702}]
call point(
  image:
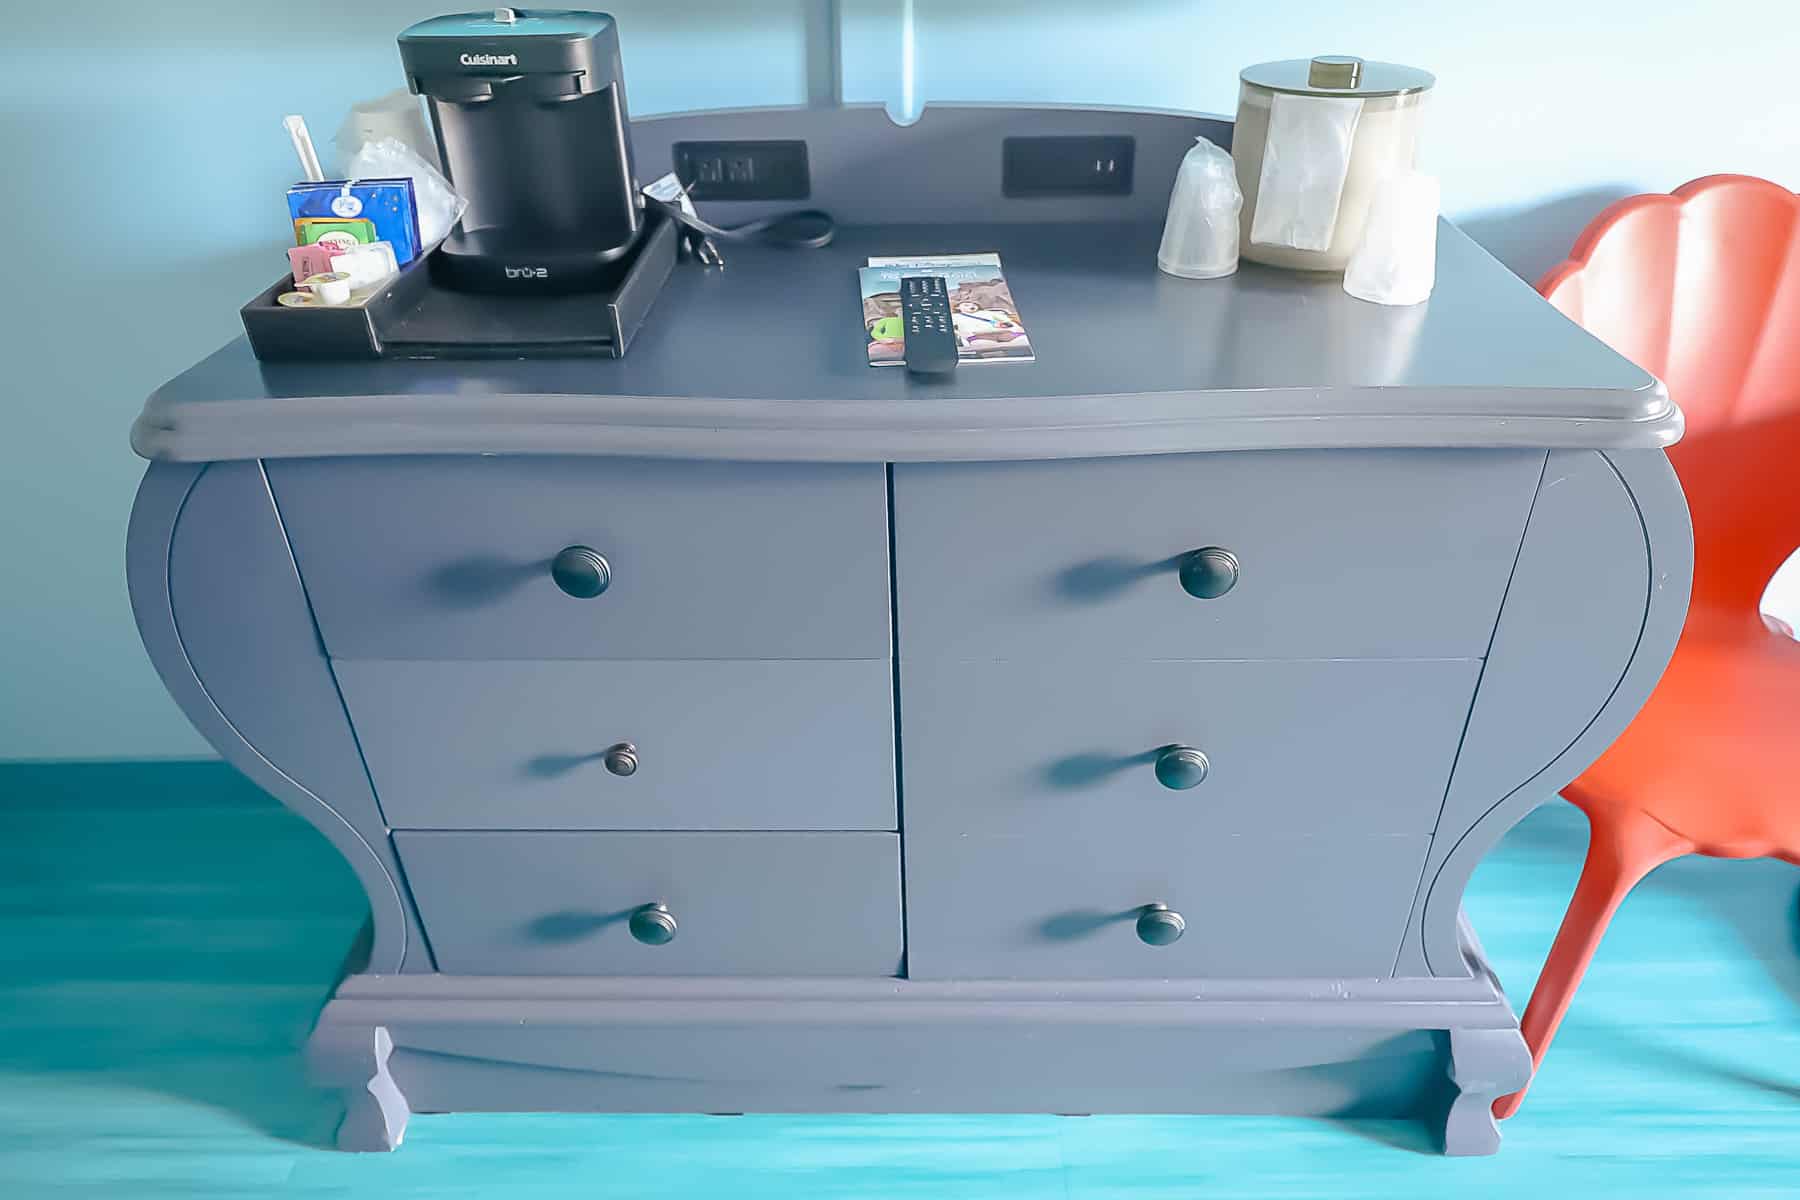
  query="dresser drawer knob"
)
[
  {"x": 654, "y": 925},
  {"x": 581, "y": 571},
  {"x": 1158, "y": 925},
  {"x": 622, "y": 759},
  {"x": 1209, "y": 572},
  {"x": 1180, "y": 767}
]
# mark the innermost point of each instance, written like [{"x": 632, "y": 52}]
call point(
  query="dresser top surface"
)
[{"x": 765, "y": 359}]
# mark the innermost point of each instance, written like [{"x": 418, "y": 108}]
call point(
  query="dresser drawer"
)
[
  {"x": 1285, "y": 746},
  {"x": 737, "y": 903},
  {"x": 1339, "y": 554},
  {"x": 1046, "y": 906},
  {"x": 453, "y": 557},
  {"x": 619, "y": 744}
]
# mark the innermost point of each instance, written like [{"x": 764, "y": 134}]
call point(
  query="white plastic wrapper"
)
[
  {"x": 1396, "y": 262},
  {"x": 1200, "y": 237},
  {"x": 1305, "y": 159},
  {"x": 440, "y": 205}
]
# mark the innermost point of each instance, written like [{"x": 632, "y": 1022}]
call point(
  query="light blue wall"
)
[{"x": 144, "y": 162}]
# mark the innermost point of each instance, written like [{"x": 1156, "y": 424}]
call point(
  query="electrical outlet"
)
[
  {"x": 760, "y": 170},
  {"x": 1082, "y": 165}
]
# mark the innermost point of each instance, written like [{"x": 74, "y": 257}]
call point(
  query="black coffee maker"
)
[{"x": 528, "y": 106}]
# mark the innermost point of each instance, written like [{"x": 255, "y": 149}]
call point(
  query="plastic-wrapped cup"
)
[
  {"x": 1200, "y": 238},
  {"x": 1396, "y": 262},
  {"x": 397, "y": 114}
]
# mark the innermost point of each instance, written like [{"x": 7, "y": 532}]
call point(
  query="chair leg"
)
[{"x": 1622, "y": 849}]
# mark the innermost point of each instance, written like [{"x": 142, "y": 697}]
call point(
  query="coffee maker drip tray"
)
[
  {"x": 501, "y": 262},
  {"x": 417, "y": 315}
]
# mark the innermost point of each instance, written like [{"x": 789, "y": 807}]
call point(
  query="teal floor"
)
[{"x": 166, "y": 936}]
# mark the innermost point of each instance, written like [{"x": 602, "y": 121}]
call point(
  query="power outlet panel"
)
[
  {"x": 745, "y": 170},
  {"x": 1084, "y": 165}
]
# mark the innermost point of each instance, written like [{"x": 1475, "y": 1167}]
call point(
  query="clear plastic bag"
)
[
  {"x": 440, "y": 205},
  {"x": 1200, "y": 237},
  {"x": 1306, "y": 159}
]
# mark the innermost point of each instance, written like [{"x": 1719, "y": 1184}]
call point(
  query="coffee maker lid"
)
[
  {"x": 465, "y": 57},
  {"x": 553, "y": 23}
]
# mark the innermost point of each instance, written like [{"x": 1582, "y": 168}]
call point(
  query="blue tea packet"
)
[{"x": 388, "y": 203}]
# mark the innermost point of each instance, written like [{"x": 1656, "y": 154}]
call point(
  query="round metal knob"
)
[
  {"x": 1180, "y": 767},
  {"x": 1158, "y": 925},
  {"x": 1209, "y": 572},
  {"x": 654, "y": 925},
  {"x": 581, "y": 571},
  {"x": 622, "y": 759}
]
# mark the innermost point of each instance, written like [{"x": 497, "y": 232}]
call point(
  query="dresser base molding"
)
[{"x": 1439, "y": 1050}]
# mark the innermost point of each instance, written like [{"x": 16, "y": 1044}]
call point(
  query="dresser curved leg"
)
[
  {"x": 1485, "y": 1064},
  {"x": 354, "y": 1059}
]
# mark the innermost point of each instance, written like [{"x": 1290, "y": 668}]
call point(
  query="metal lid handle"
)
[{"x": 1335, "y": 71}]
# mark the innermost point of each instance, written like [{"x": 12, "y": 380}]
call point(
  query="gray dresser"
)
[{"x": 733, "y": 727}]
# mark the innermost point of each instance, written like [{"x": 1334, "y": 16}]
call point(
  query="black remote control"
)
[{"x": 930, "y": 336}]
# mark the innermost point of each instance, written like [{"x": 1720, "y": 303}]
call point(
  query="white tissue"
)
[
  {"x": 1396, "y": 263},
  {"x": 1306, "y": 156},
  {"x": 1200, "y": 237}
]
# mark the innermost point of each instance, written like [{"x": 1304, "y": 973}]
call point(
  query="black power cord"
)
[{"x": 801, "y": 229}]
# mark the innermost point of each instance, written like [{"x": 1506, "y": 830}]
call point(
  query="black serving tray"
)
[{"x": 412, "y": 317}]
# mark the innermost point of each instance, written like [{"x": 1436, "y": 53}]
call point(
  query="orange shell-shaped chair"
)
[{"x": 1702, "y": 289}]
